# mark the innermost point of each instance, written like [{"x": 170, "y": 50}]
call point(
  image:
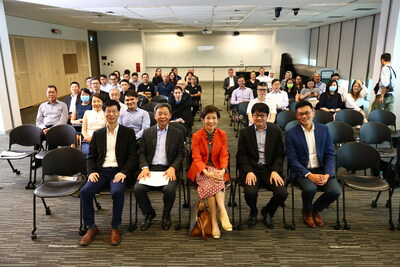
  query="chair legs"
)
[
  {"x": 132, "y": 226},
  {"x": 345, "y": 226},
  {"x": 12, "y": 167},
  {"x": 337, "y": 226},
  {"x": 33, "y": 233},
  {"x": 47, "y": 208},
  {"x": 293, "y": 226},
  {"x": 391, "y": 225},
  {"x": 31, "y": 184}
]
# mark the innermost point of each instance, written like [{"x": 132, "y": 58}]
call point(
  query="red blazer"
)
[{"x": 219, "y": 156}]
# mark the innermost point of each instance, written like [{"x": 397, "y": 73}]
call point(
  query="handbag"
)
[{"x": 201, "y": 226}]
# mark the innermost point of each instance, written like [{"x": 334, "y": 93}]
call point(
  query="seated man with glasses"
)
[
  {"x": 311, "y": 157},
  {"x": 260, "y": 162}
]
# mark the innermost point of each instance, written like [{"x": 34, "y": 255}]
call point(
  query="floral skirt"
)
[{"x": 206, "y": 187}]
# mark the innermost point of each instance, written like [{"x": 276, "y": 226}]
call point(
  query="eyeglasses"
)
[
  {"x": 262, "y": 116},
  {"x": 301, "y": 114}
]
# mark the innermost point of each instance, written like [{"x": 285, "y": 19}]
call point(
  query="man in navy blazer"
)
[
  {"x": 311, "y": 158},
  {"x": 112, "y": 161}
]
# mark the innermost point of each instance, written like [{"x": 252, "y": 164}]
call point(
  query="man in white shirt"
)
[
  {"x": 261, "y": 98},
  {"x": 114, "y": 81},
  {"x": 271, "y": 76},
  {"x": 384, "y": 98},
  {"x": 262, "y": 77},
  {"x": 105, "y": 85},
  {"x": 277, "y": 98}
]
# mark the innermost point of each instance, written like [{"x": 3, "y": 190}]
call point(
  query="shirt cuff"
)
[{"x": 307, "y": 174}]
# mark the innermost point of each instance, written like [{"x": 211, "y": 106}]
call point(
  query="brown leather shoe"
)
[
  {"x": 89, "y": 236},
  {"x": 115, "y": 237},
  {"x": 317, "y": 219},
  {"x": 308, "y": 219}
]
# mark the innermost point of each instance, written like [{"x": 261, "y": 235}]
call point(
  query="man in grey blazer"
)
[
  {"x": 230, "y": 82},
  {"x": 161, "y": 149}
]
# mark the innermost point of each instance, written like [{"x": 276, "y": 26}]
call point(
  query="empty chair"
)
[
  {"x": 242, "y": 119},
  {"x": 292, "y": 105},
  {"x": 350, "y": 116},
  {"x": 160, "y": 99},
  {"x": 142, "y": 100},
  {"x": 359, "y": 156},
  {"x": 152, "y": 119},
  {"x": 28, "y": 136},
  {"x": 59, "y": 135},
  {"x": 341, "y": 132},
  {"x": 149, "y": 106},
  {"x": 388, "y": 118},
  {"x": 375, "y": 133},
  {"x": 66, "y": 161},
  {"x": 285, "y": 117},
  {"x": 322, "y": 117}
]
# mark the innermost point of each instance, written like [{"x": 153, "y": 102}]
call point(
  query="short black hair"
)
[
  {"x": 85, "y": 90},
  {"x": 112, "y": 74},
  {"x": 303, "y": 103},
  {"x": 124, "y": 80},
  {"x": 95, "y": 79},
  {"x": 110, "y": 103},
  {"x": 99, "y": 96},
  {"x": 335, "y": 74},
  {"x": 260, "y": 107},
  {"x": 127, "y": 72},
  {"x": 51, "y": 86},
  {"x": 74, "y": 83},
  {"x": 145, "y": 74},
  {"x": 103, "y": 76},
  {"x": 163, "y": 105},
  {"x": 135, "y": 74},
  {"x": 131, "y": 93},
  {"x": 274, "y": 81},
  {"x": 386, "y": 57},
  {"x": 210, "y": 109},
  {"x": 262, "y": 84}
]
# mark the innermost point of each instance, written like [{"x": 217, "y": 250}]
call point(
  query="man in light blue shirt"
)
[
  {"x": 135, "y": 117},
  {"x": 318, "y": 84},
  {"x": 241, "y": 94}
]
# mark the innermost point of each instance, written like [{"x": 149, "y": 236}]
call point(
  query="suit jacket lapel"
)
[
  {"x": 253, "y": 141},
  {"x": 302, "y": 139}
]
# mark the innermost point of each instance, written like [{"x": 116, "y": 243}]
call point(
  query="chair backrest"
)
[
  {"x": 292, "y": 105},
  {"x": 322, "y": 117},
  {"x": 357, "y": 156},
  {"x": 350, "y": 116},
  {"x": 285, "y": 117},
  {"x": 160, "y": 99},
  {"x": 142, "y": 100},
  {"x": 290, "y": 125},
  {"x": 65, "y": 161},
  {"x": 180, "y": 127},
  {"x": 149, "y": 106},
  {"x": 152, "y": 119},
  {"x": 61, "y": 135},
  {"x": 242, "y": 108},
  {"x": 375, "y": 133},
  {"x": 341, "y": 132},
  {"x": 386, "y": 117},
  {"x": 25, "y": 135}
]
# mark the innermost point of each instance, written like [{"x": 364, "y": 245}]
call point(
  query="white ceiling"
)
[{"x": 190, "y": 15}]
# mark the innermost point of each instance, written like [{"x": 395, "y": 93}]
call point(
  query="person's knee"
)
[
  {"x": 117, "y": 192},
  {"x": 251, "y": 191},
  {"x": 138, "y": 189},
  {"x": 169, "y": 191}
]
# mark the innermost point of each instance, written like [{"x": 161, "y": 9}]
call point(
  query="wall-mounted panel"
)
[
  {"x": 362, "y": 44},
  {"x": 333, "y": 45},
  {"x": 346, "y": 48},
  {"x": 373, "y": 46},
  {"x": 322, "y": 45},
  {"x": 313, "y": 46}
]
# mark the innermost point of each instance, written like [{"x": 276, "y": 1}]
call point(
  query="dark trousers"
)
[
  {"x": 195, "y": 107},
  {"x": 117, "y": 192},
  {"x": 308, "y": 190},
  {"x": 251, "y": 192},
  {"x": 168, "y": 190}
]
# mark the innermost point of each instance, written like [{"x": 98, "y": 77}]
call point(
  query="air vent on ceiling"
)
[
  {"x": 335, "y": 17},
  {"x": 236, "y": 18},
  {"x": 318, "y": 21},
  {"x": 300, "y": 26},
  {"x": 364, "y": 9}
]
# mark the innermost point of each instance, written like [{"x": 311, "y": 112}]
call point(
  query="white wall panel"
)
[
  {"x": 362, "y": 47},
  {"x": 313, "y": 45},
  {"x": 333, "y": 46},
  {"x": 346, "y": 48},
  {"x": 322, "y": 45}
]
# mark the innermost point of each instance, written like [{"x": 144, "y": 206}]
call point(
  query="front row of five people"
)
[{"x": 113, "y": 158}]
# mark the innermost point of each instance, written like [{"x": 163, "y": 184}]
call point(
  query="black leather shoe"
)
[
  {"x": 251, "y": 220},
  {"x": 147, "y": 220},
  {"x": 267, "y": 219},
  {"x": 166, "y": 222}
]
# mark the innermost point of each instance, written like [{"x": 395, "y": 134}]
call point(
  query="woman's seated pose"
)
[
  {"x": 331, "y": 100},
  {"x": 181, "y": 104},
  {"x": 209, "y": 168},
  {"x": 79, "y": 110},
  {"x": 354, "y": 99}
]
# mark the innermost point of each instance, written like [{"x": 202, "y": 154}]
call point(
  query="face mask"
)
[
  {"x": 339, "y": 82},
  {"x": 332, "y": 88},
  {"x": 85, "y": 98},
  {"x": 289, "y": 86}
]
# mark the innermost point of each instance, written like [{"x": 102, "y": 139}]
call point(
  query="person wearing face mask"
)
[
  {"x": 330, "y": 100},
  {"x": 79, "y": 110},
  {"x": 289, "y": 89}
]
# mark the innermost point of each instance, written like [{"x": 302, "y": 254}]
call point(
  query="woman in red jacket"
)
[{"x": 209, "y": 168}]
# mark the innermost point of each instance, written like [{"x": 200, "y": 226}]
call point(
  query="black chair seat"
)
[
  {"x": 41, "y": 154},
  {"x": 365, "y": 183},
  {"x": 58, "y": 189},
  {"x": 24, "y": 154}
]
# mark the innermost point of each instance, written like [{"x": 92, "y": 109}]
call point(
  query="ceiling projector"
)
[{"x": 205, "y": 31}]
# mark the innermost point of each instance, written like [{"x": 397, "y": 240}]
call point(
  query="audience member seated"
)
[
  {"x": 126, "y": 75},
  {"x": 288, "y": 75},
  {"x": 125, "y": 87},
  {"x": 262, "y": 77},
  {"x": 318, "y": 84},
  {"x": 135, "y": 117},
  {"x": 298, "y": 86},
  {"x": 355, "y": 98},
  {"x": 310, "y": 93},
  {"x": 241, "y": 94},
  {"x": 146, "y": 88},
  {"x": 260, "y": 158},
  {"x": 175, "y": 70},
  {"x": 165, "y": 87},
  {"x": 330, "y": 100},
  {"x": 188, "y": 77},
  {"x": 115, "y": 95},
  {"x": 261, "y": 98},
  {"x": 195, "y": 92},
  {"x": 277, "y": 98},
  {"x": 111, "y": 165},
  {"x": 51, "y": 113},
  {"x": 341, "y": 90},
  {"x": 271, "y": 76},
  {"x": 95, "y": 85},
  {"x": 181, "y": 104},
  {"x": 116, "y": 72},
  {"x": 114, "y": 79},
  {"x": 290, "y": 90},
  {"x": 209, "y": 168},
  {"x": 88, "y": 83},
  {"x": 73, "y": 99},
  {"x": 191, "y": 70},
  {"x": 161, "y": 149},
  {"x": 92, "y": 120},
  {"x": 311, "y": 157},
  {"x": 157, "y": 77},
  {"x": 81, "y": 108},
  {"x": 230, "y": 82},
  {"x": 105, "y": 85},
  {"x": 181, "y": 84},
  {"x": 252, "y": 83},
  {"x": 134, "y": 81},
  {"x": 172, "y": 78}
]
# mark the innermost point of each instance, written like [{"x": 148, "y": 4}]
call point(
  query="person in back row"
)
[
  {"x": 165, "y": 87},
  {"x": 74, "y": 98},
  {"x": 261, "y": 98},
  {"x": 277, "y": 98},
  {"x": 105, "y": 85},
  {"x": 262, "y": 77},
  {"x": 241, "y": 94},
  {"x": 230, "y": 82},
  {"x": 146, "y": 88}
]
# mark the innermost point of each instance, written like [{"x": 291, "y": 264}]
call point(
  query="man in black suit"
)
[
  {"x": 111, "y": 163},
  {"x": 161, "y": 149},
  {"x": 230, "y": 82},
  {"x": 260, "y": 161},
  {"x": 95, "y": 86}
]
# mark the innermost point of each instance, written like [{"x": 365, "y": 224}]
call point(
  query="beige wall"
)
[{"x": 39, "y": 62}]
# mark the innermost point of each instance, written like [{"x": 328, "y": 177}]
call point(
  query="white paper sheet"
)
[{"x": 156, "y": 179}]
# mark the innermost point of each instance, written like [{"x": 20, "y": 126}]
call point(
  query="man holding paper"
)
[
  {"x": 161, "y": 150},
  {"x": 111, "y": 162}
]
